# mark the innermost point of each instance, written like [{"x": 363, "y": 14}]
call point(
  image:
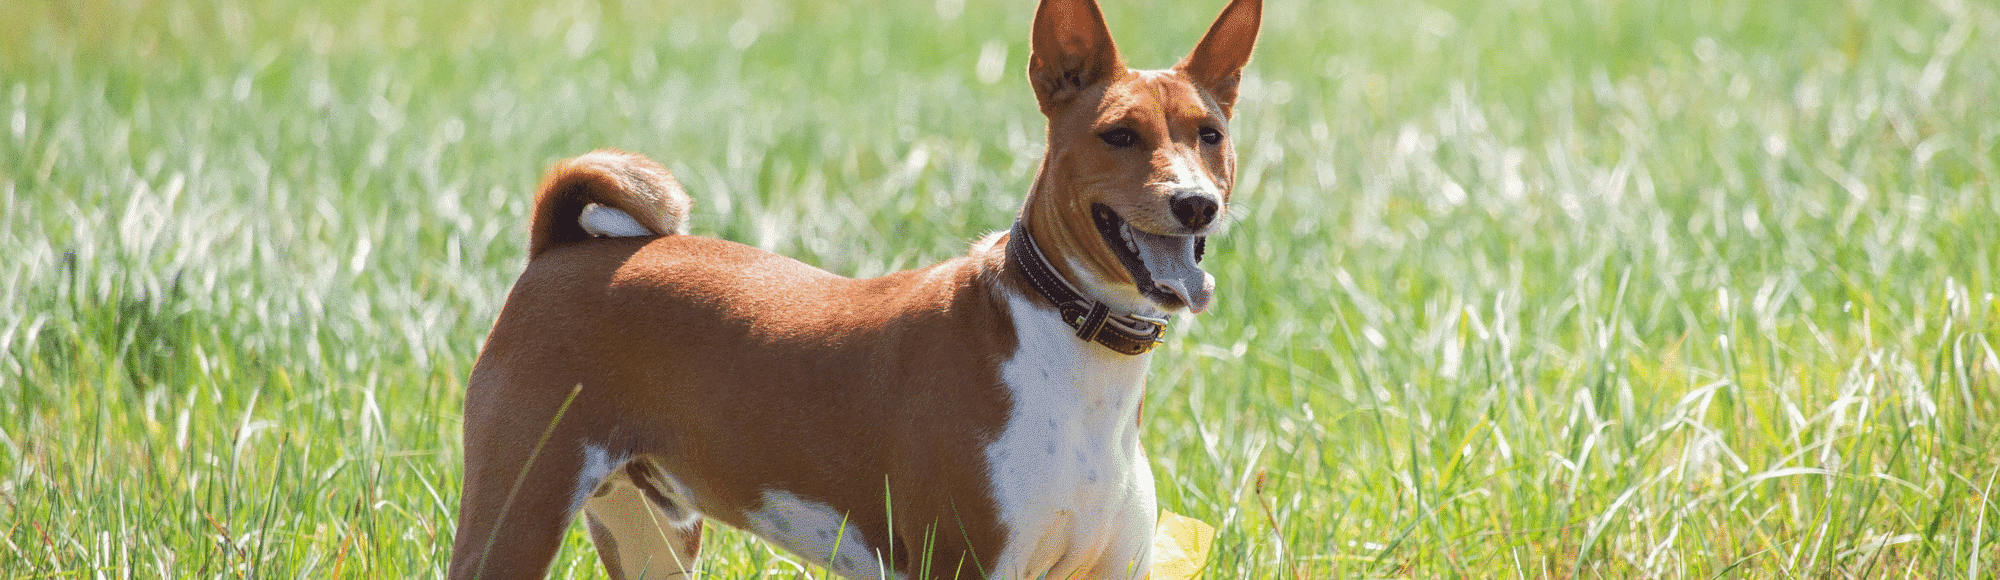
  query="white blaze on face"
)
[{"x": 1190, "y": 174}]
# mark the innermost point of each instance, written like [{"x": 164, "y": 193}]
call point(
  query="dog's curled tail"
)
[{"x": 606, "y": 193}]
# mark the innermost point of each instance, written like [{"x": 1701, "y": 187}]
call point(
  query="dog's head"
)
[{"x": 1140, "y": 164}]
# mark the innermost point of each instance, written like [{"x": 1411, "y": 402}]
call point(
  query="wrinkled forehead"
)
[{"x": 1155, "y": 95}]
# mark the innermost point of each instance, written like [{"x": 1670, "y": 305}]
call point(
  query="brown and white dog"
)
[{"x": 974, "y": 419}]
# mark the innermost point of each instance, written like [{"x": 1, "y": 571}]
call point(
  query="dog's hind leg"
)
[
  {"x": 518, "y": 503},
  {"x": 642, "y": 526}
]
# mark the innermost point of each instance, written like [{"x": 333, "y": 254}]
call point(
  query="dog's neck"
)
[{"x": 1093, "y": 320}]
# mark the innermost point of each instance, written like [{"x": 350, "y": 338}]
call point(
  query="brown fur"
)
[
  {"x": 642, "y": 327},
  {"x": 736, "y": 370}
]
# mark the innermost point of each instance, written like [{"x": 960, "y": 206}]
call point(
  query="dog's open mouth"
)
[{"x": 1163, "y": 267}]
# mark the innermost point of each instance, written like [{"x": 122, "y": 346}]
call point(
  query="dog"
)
[{"x": 978, "y": 418}]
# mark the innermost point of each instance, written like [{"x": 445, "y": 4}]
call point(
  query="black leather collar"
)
[{"x": 1123, "y": 333}]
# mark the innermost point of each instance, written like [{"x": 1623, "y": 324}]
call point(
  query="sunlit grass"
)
[{"x": 1520, "y": 289}]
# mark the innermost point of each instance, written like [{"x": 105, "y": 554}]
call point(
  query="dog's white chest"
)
[{"x": 1074, "y": 490}]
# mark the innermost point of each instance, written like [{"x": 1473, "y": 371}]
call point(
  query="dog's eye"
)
[
  {"x": 1120, "y": 137},
  {"x": 1209, "y": 135}
]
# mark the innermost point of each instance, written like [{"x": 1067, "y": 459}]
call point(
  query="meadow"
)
[{"x": 1513, "y": 289}]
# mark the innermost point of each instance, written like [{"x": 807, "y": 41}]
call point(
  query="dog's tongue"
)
[{"x": 1171, "y": 262}]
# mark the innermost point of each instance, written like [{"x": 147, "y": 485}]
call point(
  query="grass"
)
[{"x": 1517, "y": 289}]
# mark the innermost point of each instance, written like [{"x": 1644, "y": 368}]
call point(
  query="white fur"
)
[
  {"x": 1189, "y": 173},
  {"x": 819, "y": 533},
  {"x": 597, "y": 463},
  {"x": 604, "y": 221},
  {"x": 1073, "y": 487},
  {"x": 1120, "y": 297},
  {"x": 675, "y": 493},
  {"x": 986, "y": 242}
]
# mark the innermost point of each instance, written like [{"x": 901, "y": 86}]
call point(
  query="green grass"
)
[{"x": 1516, "y": 289}]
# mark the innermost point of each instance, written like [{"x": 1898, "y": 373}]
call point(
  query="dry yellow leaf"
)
[{"x": 1180, "y": 547}]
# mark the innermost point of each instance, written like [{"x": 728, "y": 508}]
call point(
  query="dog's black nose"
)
[{"x": 1194, "y": 210}]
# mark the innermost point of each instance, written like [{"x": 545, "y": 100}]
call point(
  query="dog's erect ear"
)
[
  {"x": 1071, "y": 50},
  {"x": 1216, "y": 64}
]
